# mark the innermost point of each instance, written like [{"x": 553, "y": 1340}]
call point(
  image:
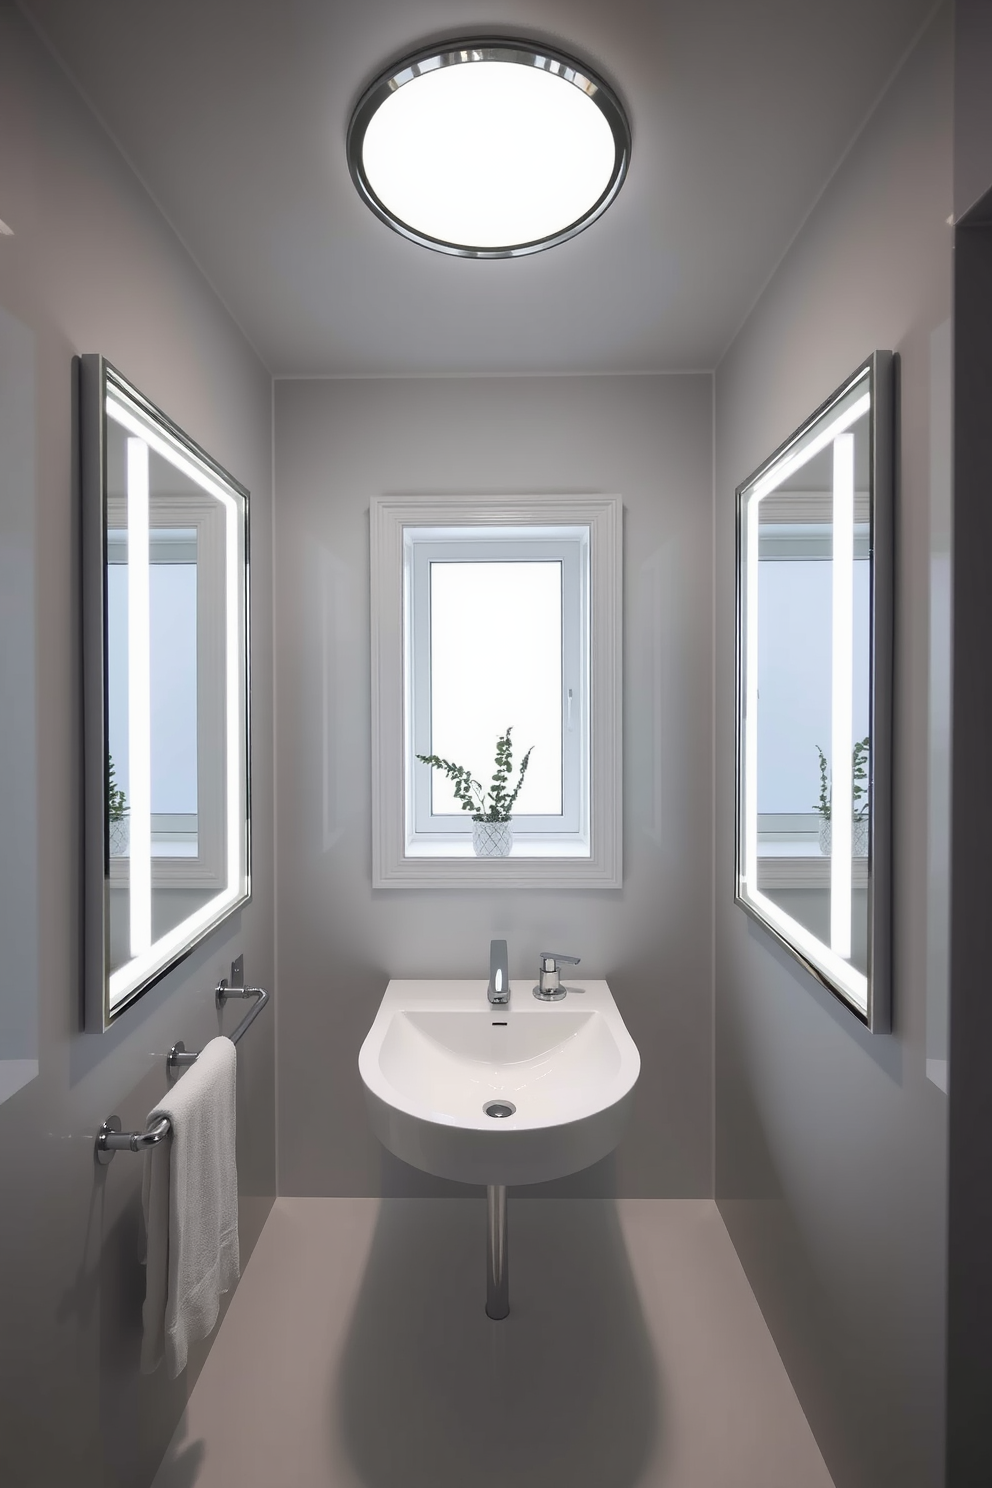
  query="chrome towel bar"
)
[
  {"x": 110, "y": 1138},
  {"x": 179, "y": 1055}
]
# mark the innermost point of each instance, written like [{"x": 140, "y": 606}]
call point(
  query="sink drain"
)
[{"x": 499, "y": 1108}]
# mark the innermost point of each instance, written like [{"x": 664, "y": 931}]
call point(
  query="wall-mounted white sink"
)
[{"x": 438, "y": 1054}]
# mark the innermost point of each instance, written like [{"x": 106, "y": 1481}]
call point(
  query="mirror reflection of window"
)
[
  {"x": 172, "y": 607},
  {"x": 795, "y": 719},
  {"x": 172, "y": 736}
]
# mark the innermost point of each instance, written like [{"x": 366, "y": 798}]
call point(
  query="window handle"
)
[{"x": 568, "y": 710}]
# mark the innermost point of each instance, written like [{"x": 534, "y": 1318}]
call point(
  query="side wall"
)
[
  {"x": 92, "y": 266},
  {"x": 969, "y": 1309},
  {"x": 337, "y": 444},
  {"x": 830, "y": 1144}
]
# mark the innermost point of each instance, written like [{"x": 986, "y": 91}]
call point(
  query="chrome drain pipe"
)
[{"x": 497, "y": 1277}]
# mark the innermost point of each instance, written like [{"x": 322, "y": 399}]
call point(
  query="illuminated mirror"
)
[
  {"x": 166, "y": 692},
  {"x": 814, "y": 621}
]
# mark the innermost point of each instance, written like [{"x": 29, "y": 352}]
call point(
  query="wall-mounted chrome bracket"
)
[{"x": 110, "y": 1138}]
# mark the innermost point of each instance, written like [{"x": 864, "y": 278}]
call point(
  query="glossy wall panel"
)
[
  {"x": 92, "y": 263},
  {"x": 830, "y": 1145}
]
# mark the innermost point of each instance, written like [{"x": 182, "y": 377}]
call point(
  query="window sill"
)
[
  {"x": 171, "y": 873},
  {"x": 805, "y": 871},
  {"x": 460, "y": 848}
]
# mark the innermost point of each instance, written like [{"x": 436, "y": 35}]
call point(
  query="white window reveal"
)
[{"x": 490, "y": 614}]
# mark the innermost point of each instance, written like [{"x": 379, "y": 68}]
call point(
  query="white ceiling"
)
[{"x": 234, "y": 112}]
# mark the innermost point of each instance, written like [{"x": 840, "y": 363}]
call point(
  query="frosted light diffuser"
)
[
  {"x": 842, "y": 695},
  {"x": 139, "y": 697},
  {"x": 488, "y": 149}
]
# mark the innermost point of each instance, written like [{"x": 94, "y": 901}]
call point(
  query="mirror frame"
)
[
  {"x": 879, "y": 371},
  {"x": 96, "y": 376}
]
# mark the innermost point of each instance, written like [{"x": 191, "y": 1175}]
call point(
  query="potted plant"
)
[
  {"x": 491, "y": 809},
  {"x": 116, "y": 814},
  {"x": 859, "y": 801}
]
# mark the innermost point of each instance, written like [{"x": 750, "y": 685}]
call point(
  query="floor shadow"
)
[
  {"x": 563, "y": 1391},
  {"x": 180, "y": 1467}
]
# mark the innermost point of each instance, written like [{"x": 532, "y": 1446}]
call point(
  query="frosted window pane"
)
[
  {"x": 794, "y": 640},
  {"x": 794, "y": 651},
  {"x": 496, "y": 661},
  {"x": 172, "y": 596},
  {"x": 173, "y": 672}
]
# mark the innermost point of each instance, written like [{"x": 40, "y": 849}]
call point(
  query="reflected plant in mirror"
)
[
  {"x": 859, "y": 801},
  {"x": 165, "y": 534},
  {"x": 116, "y": 812},
  {"x": 814, "y": 692}
]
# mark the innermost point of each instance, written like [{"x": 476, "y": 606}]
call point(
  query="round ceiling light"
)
[{"x": 488, "y": 149}]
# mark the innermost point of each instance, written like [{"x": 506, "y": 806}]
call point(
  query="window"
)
[
  {"x": 489, "y": 614},
  {"x": 497, "y": 637}
]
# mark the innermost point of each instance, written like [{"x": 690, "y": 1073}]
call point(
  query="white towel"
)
[{"x": 189, "y": 1195}]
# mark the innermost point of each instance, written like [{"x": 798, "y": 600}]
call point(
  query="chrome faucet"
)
[
  {"x": 549, "y": 988},
  {"x": 499, "y": 973}
]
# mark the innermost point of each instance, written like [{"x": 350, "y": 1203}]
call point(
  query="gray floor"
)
[{"x": 356, "y": 1353}]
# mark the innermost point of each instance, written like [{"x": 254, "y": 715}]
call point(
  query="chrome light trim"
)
[{"x": 488, "y": 49}]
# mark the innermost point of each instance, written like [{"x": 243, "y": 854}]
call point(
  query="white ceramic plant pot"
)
[
  {"x": 491, "y": 839},
  {"x": 859, "y": 837},
  {"x": 120, "y": 838}
]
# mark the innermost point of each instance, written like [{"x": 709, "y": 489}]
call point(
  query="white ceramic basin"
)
[{"x": 438, "y": 1053}]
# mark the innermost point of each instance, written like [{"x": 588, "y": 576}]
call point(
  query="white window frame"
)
[
  {"x": 586, "y": 848},
  {"x": 423, "y": 547}
]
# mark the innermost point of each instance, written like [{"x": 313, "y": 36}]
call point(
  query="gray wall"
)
[
  {"x": 92, "y": 266},
  {"x": 337, "y": 444},
  {"x": 830, "y": 1144},
  {"x": 969, "y": 1310}
]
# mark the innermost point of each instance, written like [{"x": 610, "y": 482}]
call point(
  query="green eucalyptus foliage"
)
[
  {"x": 116, "y": 799},
  {"x": 496, "y": 804},
  {"x": 859, "y": 773}
]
